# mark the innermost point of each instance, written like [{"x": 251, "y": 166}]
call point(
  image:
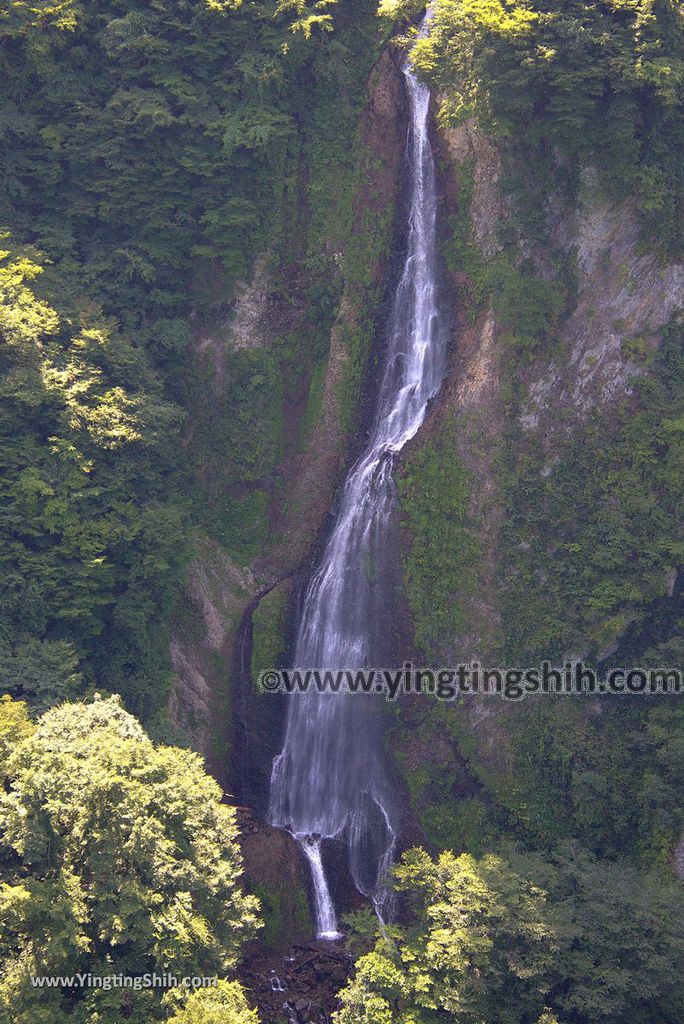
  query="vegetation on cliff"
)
[
  {"x": 513, "y": 938},
  {"x": 91, "y": 540},
  {"x": 574, "y": 510},
  {"x": 117, "y": 857},
  {"x": 607, "y": 517},
  {"x": 441, "y": 551},
  {"x": 149, "y": 152},
  {"x": 601, "y": 79}
]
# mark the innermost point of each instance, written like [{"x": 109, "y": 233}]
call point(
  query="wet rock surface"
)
[
  {"x": 206, "y": 632},
  {"x": 275, "y": 870},
  {"x": 300, "y": 987}
]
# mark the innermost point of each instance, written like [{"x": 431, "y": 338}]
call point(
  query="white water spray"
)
[
  {"x": 326, "y": 919},
  {"x": 330, "y": 780}
]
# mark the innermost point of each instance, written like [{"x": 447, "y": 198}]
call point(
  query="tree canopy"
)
[
  {"x": 147, "y": 153},
  {"x": 601, "y": 79},
  {"x": 510, "y": 939},
  {"x": 84, "y": 466},
  {"x": 117, "y": 857}
]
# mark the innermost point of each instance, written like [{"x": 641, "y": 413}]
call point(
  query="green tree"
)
[
  {"x": 148, "y": 152},
  {"x": 621, "y": 937},
  {"x": 481, "y": 948},
  {"x": 15, "y": 725},
  {"x": 512, "y": 938},
  {"x": 117, "y": 857},
  {"x": 89, "y": 540},
  {"x": 602, "y": 79},
  {"x": 224, "y": 1004}
]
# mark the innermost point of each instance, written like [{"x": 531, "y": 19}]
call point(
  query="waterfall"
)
[{"x": 331, "y": 779}]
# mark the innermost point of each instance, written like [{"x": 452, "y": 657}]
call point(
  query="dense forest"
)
[{"x": 168, "y": 168}]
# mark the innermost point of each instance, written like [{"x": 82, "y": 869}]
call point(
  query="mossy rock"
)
[
  {"x": 274, "y": 871},
  {"x": 269, "y": 623}
]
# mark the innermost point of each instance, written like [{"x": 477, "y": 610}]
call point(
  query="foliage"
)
[
  {"x": 599, "y": 80},
  {"x": 433, "y": 504},
  {"x": 458, "y": 248},
  {"x": 244, "y": 435},
  {"x": 527, "y": 307},
  {"x": 148, "y": 153},
  {"x": 245, "y": 429},
  {"x": 85, "y": 464},
  {"x": 269, "y": 620},
  {"x": 18, "y": 16},
  {"x": 286, "y": 915},
  {"x": 451, "y": 823},
  {"x": 117, "y": 857},
  {"x": 15, "y": 725},
  {"x": 511, "y": 939},
  {"x": 605, "y": 515},
  {"x": 602, "y": 772},
  {"x": 223, "y": 1004},
  {"x": 308, "y": 15},
  {"x": 147, "y": 138},
  {"x": 361, "y": 930},
  {"x": 480, "y": 943},
  {"x": 314, "y": 401},
  {"x": 587, "y": 550}
]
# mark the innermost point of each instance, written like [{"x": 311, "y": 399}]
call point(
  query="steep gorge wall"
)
[
  {"x": 319, "y": 413},
  {"x": 539, "y": 504},
  {"x": 604, "y": 341},
  {"x": 527, "y": 500},
  {"x": 232, "y": 619}
]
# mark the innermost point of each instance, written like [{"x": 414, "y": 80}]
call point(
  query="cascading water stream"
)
[{"x": 330, "y": 780}]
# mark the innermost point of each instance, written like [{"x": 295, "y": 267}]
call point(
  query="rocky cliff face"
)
[
  {"x": 232, "y": 618},
  {"x": 623, "y": 292},
  {"x": 563, "y": 539},
  {"x": 562, "y": 313},
  {"x": 623, "y": 295},
  {"x": 219, "y": 589}
]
